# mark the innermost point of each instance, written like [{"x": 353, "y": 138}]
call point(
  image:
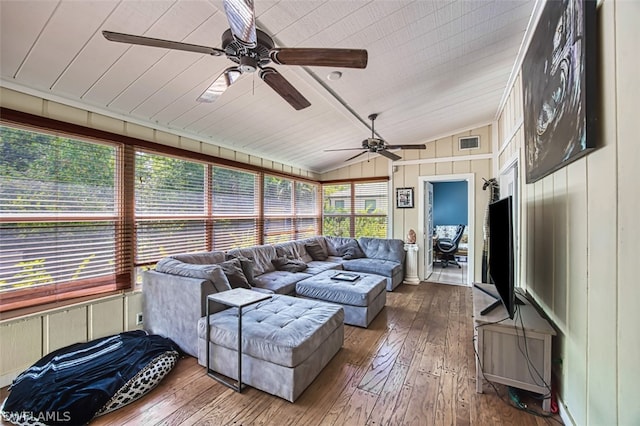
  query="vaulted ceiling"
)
[{"x": 434, "y": 68}]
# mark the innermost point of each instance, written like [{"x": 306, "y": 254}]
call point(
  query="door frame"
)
[{"x": 471, "y": 210}]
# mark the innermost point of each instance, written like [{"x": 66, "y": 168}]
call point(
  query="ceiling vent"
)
[{"x": 469, "y": 142}]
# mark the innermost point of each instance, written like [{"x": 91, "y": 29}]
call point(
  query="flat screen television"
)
[{"x": 501, "y": 254}]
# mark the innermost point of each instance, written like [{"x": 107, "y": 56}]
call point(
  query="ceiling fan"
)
[
  {"x": 378, "y": 146},
  {"x": 252, "y": 49}
]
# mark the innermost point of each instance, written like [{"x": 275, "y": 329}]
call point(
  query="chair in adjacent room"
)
[{"x": 447, "y": 248}]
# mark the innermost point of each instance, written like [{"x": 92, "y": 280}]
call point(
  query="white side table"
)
[
  {"x": 411, "y": 273},
  {"x": 239, "y": 298}
]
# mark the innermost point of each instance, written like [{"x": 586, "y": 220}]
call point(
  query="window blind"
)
[
  {"x": 371, "y": 209},
  {"x": 60, "y": 223},
  {"x": 235, "y": 208},
  {"x": 170, "y": 212},
  {"x": 278, "y": 209}
]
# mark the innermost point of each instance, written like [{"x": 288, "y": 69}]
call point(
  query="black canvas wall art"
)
[{"x": 558, "y": 81}]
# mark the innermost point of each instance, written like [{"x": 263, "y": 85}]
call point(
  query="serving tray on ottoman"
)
[
  {"x": 286, "y": 342},
  {"x": 362, "y": 298}
]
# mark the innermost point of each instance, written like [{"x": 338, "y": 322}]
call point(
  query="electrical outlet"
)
[{"x": 139, "y": 318}]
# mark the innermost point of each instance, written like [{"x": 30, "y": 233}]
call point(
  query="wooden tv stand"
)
[{"x": 501, "y": 347}]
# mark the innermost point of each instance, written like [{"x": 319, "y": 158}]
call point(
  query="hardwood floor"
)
[{"x": 414, "y": 365}]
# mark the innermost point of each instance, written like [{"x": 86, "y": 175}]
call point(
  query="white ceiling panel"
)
[{"x": 435, "y": 67}]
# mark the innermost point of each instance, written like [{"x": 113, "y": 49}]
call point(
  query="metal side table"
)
[{"x": 238, "y": 298}]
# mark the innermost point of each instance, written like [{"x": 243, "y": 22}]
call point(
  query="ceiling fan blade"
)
[
  {"x": 345, "y": 58},
  {"x": 390, "y": 155},
  {"x": 241, "y": 17},
  {"x": 342, "y": 149},
  {"x": 357, "y": 155},
  {"x": 277, "y": 82},
  {"x": 156, "y": 42},
  {"x": 217, "y": 88},
  {"x": 418, "y": 146}
]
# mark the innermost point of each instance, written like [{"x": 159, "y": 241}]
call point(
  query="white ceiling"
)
[{"x": 435, "y": 67}]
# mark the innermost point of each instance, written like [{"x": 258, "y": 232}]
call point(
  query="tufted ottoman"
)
[
  {"x": 286, "y": 342},
  {"x": 361, "y": 299}
]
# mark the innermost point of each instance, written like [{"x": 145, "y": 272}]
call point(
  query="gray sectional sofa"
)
[{"x": 175, "y": 293}]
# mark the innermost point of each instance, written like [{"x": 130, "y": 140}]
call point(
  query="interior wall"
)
[
  {"x": 27, "y": 339},
  {"x": 450, "y": 203},
  {"x": 580, "y": 237},
  {"x": 442, "y": 157}
]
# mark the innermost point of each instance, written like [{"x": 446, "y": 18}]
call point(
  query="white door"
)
[{"x": 428, "y": 226}]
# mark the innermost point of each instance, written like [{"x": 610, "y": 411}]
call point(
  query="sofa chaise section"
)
[{"x": 286, "y": 342}]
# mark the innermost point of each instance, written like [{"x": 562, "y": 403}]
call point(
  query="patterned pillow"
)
[{"x": 142, "y": 383}]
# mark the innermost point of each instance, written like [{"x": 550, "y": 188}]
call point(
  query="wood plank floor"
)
[{"x": 414, "y": 365}]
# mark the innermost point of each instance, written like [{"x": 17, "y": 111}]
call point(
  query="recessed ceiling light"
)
[{"x": 334, "y": 75}]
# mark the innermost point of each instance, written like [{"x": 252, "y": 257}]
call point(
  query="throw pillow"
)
[
  {"x": 350, "y": 250},
  {"x": 289, "y": 265},
  {"x": 316, "y": 251},
  {"x": 233, "y": 270},
  {"x": 246, "y": 264}
]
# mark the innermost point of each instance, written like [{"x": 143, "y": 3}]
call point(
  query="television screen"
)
[{"x": 501, "y": 251}]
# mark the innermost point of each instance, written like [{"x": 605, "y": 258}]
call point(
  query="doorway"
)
[{"x": 434, "y": 215}]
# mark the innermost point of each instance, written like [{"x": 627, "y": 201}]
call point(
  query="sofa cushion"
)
[
  {"x": 283, "y": 330},
  {"x": 281, "y": 282},
  {"x": 350, "y": 250},
  {"x": 207, "y": 272},
  {"x": 361, "y": 292},
  {"x": 288, "y": 264},
  {"x": 316, "y": 251},
  {"x": 334, "y": 242},
  {"x": 293, "y": 250},
  {"x": 261, "y": 255},
  {"x": 316, "y": 266},
  {"x": 385, "y": 268},
  {"x": 233, "y": 270},
  {"x": 247, "y": 267},
  {"x": 201, "y": 258},
  {"x": 382, "y": 248}
]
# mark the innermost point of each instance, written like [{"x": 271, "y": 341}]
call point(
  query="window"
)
[
  {"x": 236, "y": 208},
  {"x": 169, "y": 206},
  {"x": 61, "y": 230},
  {"x": 290, "y": 209},
  {"x": 371, "y": 214},
  {"x": 367, "y": 217},
  {"x": 306, "y": 210},
  {"x": 79, "y": 218},
  {"x": 370, "y": 205}
]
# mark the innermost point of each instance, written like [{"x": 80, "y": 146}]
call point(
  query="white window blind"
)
[
  {"x": 170, "y": 206},
  {"x": 371, "y": 209},
  {"x": 60, "y": 226},
  {"x": 278, "y": 209},
  {"x": 306, "y": 210},
  {"x": 235, "y": 208}
]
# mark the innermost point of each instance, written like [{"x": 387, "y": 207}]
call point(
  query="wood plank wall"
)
[{"x": 27, "y": 339}]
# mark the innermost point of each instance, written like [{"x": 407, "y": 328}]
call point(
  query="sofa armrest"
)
[{"x": 172, "y": 306}]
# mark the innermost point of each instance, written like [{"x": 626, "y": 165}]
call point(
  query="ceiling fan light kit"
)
[{"x": 252, "y": 49}]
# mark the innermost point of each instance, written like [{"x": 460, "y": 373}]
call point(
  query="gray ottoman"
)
[
  {"x": 361, "y": 299},
  {"x": 286, "y": 342}
]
